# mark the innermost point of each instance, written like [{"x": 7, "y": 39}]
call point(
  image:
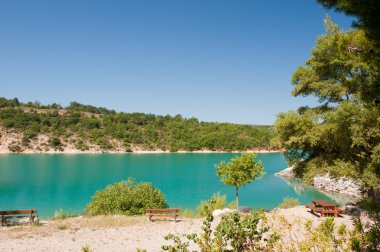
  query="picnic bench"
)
[
  {"x": 323, "y": 207},
  {"x": 10, "y": 214},
  {"x": 163, "y": 212}
]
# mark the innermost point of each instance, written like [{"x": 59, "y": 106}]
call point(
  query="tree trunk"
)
[{"x": 237, "y": 198}]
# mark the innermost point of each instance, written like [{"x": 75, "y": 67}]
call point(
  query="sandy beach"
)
[{"x": 123, "y": 233}]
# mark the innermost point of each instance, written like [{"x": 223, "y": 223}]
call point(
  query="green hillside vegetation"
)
[
  {"x": 86, "y": 124},
  {"x": 341, "y": 136}
]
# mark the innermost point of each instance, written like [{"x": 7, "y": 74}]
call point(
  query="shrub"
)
[
  {"x": 241, "y": 233},
  {"x": 189, "y": 213},
  {"x": 126, "y": 197},
  {"x": 86, "y": 248},
  {"x": 79, "y": 144},
  {"x": 14, "y": 148},
  {"x": 289, "y": 203},
  {"x": 217, "y": 201},
  {"x": 55, "y": 142},
  {"x": 61, "y": 215},
  {"x": 366, "y": 235},
  {"x": 62, "y": 227}
]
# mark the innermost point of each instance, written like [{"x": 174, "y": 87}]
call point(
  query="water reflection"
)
[{"x": 302, "y": 189}]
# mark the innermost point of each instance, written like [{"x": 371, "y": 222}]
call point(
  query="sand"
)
[{"x": 121, "y": 233}]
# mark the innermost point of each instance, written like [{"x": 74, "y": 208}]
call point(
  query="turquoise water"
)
[{"x": 52, "y": 182}]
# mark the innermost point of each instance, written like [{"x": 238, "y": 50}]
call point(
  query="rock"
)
[
  {"x": 288, "y": 172},
  {"x": 244, "y": 209},
  {"x": 24, "y": 220},
  {"x": 218, "y": 212},
  {"x": 342, "y": 185}
]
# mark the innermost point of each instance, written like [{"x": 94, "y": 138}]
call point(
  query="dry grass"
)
[
  {"x": 72, "y": 225},
  {"x": 114, "y": 221}
]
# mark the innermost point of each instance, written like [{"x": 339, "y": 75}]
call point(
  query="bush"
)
[
  {"x": 289, "y": 203},
  {"x": 126, "y": 197},
  {"x": 55, "y": 142},
  {"x": 14, "y": 148},
  {"x": 217, "y": 201},
  {"x": 189, "y": 213},
  {"x": 249, "y": 232},
  {"x": 61, "y": 215}
]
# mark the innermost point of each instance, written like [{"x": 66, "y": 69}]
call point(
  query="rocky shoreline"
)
[{"x": 328, "y": 183}]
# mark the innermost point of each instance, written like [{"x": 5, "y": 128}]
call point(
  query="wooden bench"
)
[
  {"x": 10, "y": 214},
  {"x": 163, "y": 212}
]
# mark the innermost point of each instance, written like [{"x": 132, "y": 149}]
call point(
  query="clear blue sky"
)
[{"x": 217, "y": 60}]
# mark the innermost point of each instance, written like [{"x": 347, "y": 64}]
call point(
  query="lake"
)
[{"x": 50, "y": 182}]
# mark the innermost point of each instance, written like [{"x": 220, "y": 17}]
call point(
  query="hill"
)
[{"x": 33, "y": 127}]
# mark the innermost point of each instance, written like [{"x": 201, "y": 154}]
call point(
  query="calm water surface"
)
[{"x": 50, "y": 182}]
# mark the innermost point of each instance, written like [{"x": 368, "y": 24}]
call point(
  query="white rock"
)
[
  {"x": 342, "y": 185},
  {"x": 288, "y": 172},
  {"x": 24, "y": 220},
  {"x": 218, "y": 212}
]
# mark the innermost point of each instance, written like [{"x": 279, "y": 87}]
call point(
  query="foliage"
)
[
  {"x": 305, "y": 236},
  {"x": 240, "y": 170},
  {"x": 244, "y": 234},
  {"x": 14, "y": 148},
  {"x": 367, "y": 18},
  {"x": 61, "y": 215},
  {"x": 90, "y": 126},
  {"x": 342, "y": 135},
  {"x": 233, "y": 233},
  {"x": 179, "y": 245},
  {"x": 62, "y": 227},
  {"x": 126, "y": 197},
  {"x": 217, "y": 201},
  {"x": 326, "y": 237},
  {"x": 254, "y": 232},
  {"x": 86, "y": 248},
  {"x": 141, "y": 250},
  {"x": 189, "y": 213},
  {"x": 289, "y": 203},
  {"x": 366, "y": 235},
  {"x": 36, "y": 224}
]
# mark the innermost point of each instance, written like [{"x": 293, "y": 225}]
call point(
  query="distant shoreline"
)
[{"x": 72, "y": 151}]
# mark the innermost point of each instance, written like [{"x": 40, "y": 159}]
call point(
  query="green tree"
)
[
  {"x": 342, "y": 135},
  {"x": 367, "y": 18},
  {"x": 239, "y": 171}
]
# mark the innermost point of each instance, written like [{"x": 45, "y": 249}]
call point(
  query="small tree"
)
[{"x": 239, "y": 171}]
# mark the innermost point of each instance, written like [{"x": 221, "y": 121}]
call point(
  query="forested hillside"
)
[{"x": 84, "y": 127}]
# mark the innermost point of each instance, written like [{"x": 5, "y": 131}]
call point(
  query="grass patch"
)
[
  {"x": 189, "y": 213},
  {"x": 62, "y": 227},
  {"x": 61, "y": 215},
  {"x": 289, "y": 203},
  {"x": 217, "y": 201},
  {"x": 86, "y": 248},
  {"x": 36, "y": 224},
  {"x": 106, "y": 221}
]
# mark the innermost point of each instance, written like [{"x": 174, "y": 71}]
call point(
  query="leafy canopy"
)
[
  {"x": 240, "y": 170},
  {"x": 334, "y": 73},
  {"x": 367, "y": 18},
  {"x": 342, "y": 134}
]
